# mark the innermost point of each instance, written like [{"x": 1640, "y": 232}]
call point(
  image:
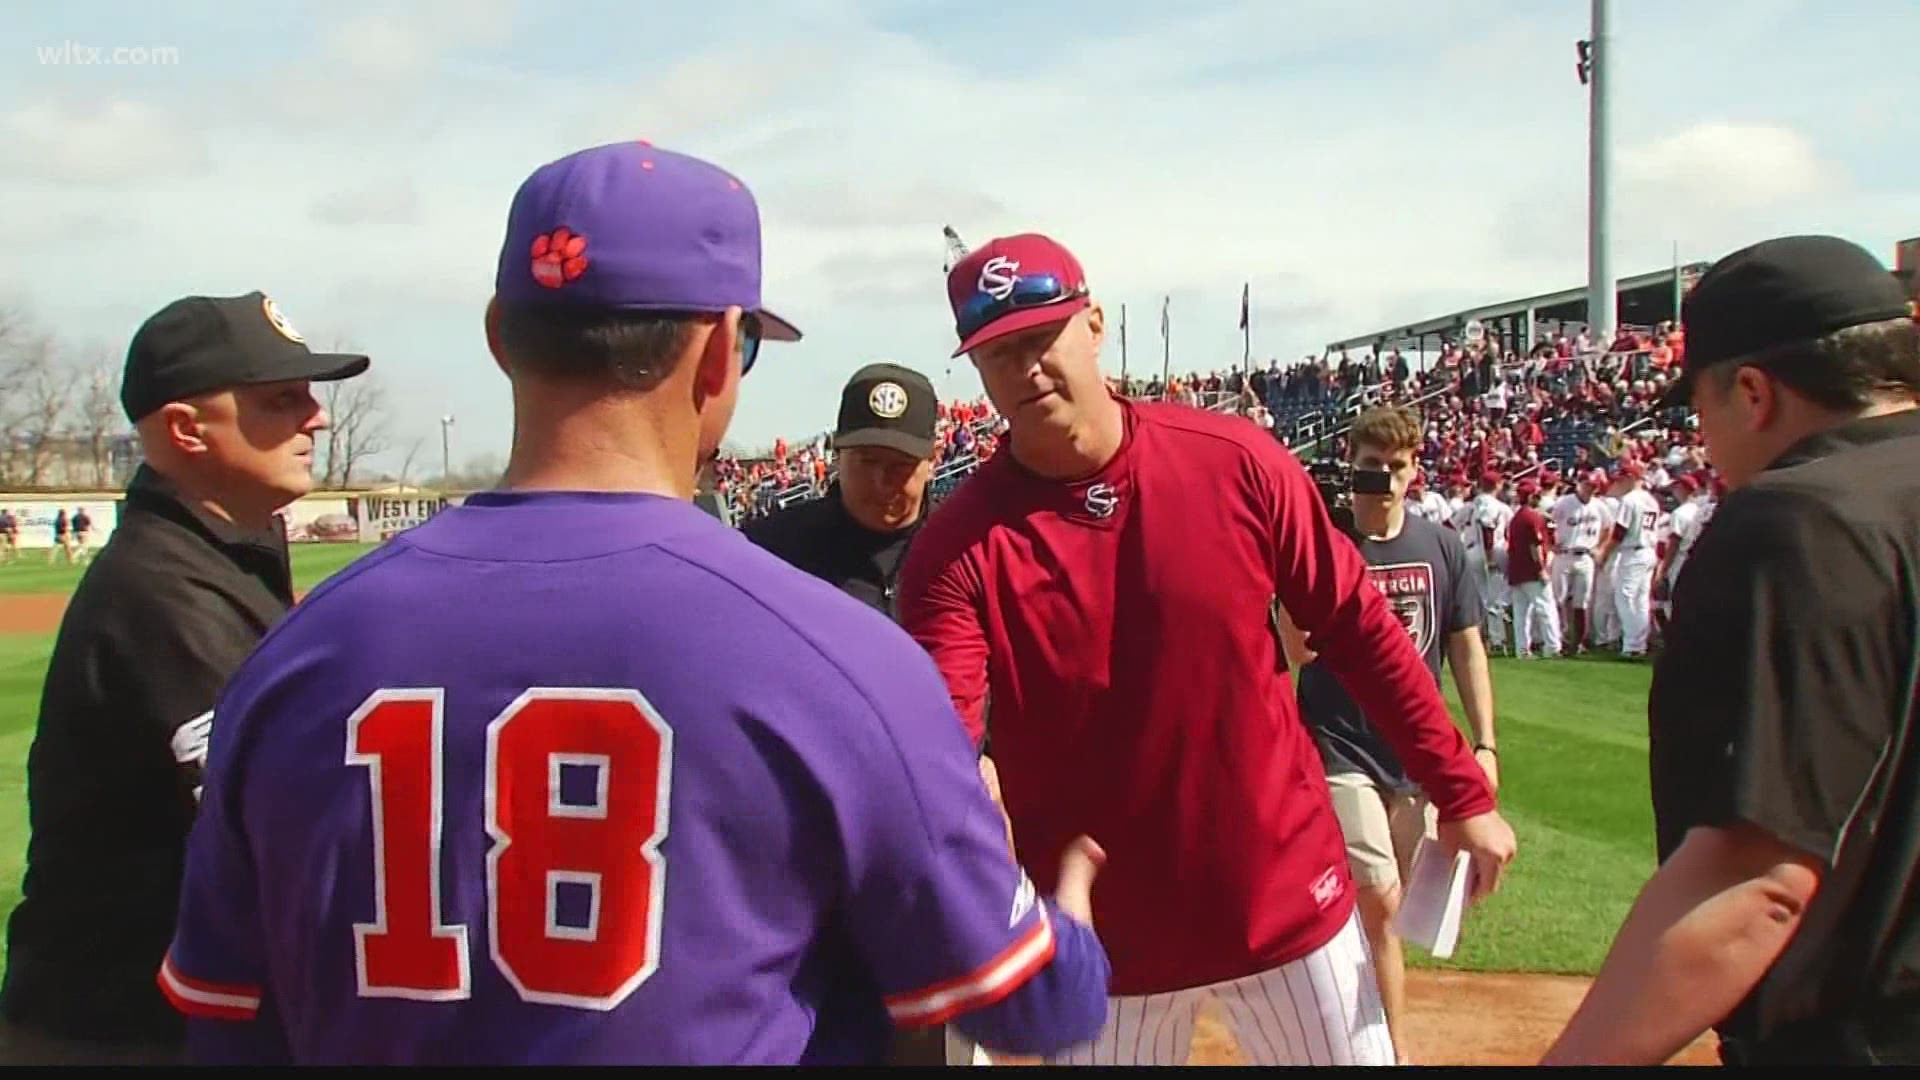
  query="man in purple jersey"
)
[{"x": 575, "y": 774}]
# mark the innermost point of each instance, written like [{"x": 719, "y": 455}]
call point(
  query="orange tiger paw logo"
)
[{"x": 559, "y": 257}]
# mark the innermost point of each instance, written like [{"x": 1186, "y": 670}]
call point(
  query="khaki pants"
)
[{"x": 1382, "y": 828}]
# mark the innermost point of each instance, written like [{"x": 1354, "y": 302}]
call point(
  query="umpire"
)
[
  {"x": 1786, "y": 790},
  {"x": 855, "y": 537},
  {"x": 883, "y": 443},
  {"x": 217, "y": 389}
]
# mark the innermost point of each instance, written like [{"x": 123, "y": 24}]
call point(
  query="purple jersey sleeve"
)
[
  {"x": 213, "y": 972},
  {"x": 948, "y": 921}
]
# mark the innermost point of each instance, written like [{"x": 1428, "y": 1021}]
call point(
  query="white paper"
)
[{"x": 1434, "y": 903}]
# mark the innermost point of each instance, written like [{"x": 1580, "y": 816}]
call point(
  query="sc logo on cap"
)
[
  {"x": 888, "y": 401},
  {"x": 279, "y": 320},
  {"x": 998, "y": 277}
]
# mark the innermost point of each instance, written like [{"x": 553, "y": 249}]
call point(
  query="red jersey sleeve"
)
[
  {"x": 940, "y": 608},
  {"x": 1322, "y": 580}
]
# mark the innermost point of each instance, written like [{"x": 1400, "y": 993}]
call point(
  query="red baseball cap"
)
[{"x": 1011, "y": 284}]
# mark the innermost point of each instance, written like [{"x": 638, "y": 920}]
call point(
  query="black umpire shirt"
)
[
  {"x": 821, "y": 538},
  {"x": 168, "y": 609},
  {"x": 1785, "y": 698}
]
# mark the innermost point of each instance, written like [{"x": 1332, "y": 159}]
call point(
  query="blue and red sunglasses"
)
[{"x": 1029, "y": 291}]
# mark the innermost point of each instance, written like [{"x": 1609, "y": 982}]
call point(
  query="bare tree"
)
[
  {"x": 99, "y": 414},
  {"x": 362, "y": 423},
  {"x": 406, "y": 464},
  {"x": 49, "y": 387},
  {"x": 19, "y": 344},
  {"x": 359, "y": 426}
]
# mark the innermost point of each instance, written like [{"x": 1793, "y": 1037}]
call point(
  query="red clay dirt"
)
[
  {"x": 1457, "y": 1018},
  {"x": 31, "y": 613}
]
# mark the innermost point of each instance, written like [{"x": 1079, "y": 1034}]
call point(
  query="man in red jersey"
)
[{"x": 1112, "y": 581}]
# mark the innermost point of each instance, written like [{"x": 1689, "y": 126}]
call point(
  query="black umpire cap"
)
[
  {"x": 888, "y": 405},
  {"x": 1780, "y": 292},
  {"x": 198, "y": 344}
]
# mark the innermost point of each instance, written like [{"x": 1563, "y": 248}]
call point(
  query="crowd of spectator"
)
[
  {"x": 1567, "y": 405},
  {"x": 967, "y": 431}
]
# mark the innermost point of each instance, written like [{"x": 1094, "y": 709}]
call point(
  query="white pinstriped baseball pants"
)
[{"x": 1322, "y": 1009}]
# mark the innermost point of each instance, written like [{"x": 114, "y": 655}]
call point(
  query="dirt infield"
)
[
  {"x": 1466, "y": 1019},
  {"x": 1459, "y": 1019},
  {"x": 31, "y": 613}
]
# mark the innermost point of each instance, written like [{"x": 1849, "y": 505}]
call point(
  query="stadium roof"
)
[{"x": 1644, "y": 299}]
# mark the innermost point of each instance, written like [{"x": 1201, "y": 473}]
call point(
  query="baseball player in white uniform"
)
[
  {"x": 1604, "y": 626},
  {"x": 1485, "y": 536},
  {"x": 1424, "y": 502},
  {"x": 1683, "y": 529},
  {"x": 1581, "y": 526},
  {"x": 1633, "y": 530},
  {"x": 1459, "y": 496}
]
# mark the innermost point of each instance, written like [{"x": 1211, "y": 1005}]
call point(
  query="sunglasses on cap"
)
[{"x": 1029, "y": 291}]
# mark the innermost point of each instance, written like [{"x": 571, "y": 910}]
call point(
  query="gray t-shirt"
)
[{"x": 1423, "y": 573}]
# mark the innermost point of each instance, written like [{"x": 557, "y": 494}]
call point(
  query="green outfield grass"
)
[
  {"x": 1573, "y": 783},
  {"x": 31, "y": 573}
]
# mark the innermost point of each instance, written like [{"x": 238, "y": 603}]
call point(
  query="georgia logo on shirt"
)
[{"x": 1408, "y": 588}]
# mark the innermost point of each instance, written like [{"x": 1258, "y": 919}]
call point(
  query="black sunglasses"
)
[{"x": 750, "y": 335}]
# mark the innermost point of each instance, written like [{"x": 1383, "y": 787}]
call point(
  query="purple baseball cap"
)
[{"x": 631, "y": 227}]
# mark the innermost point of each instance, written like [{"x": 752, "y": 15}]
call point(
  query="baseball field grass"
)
[{"x": 1573, "y": 783}]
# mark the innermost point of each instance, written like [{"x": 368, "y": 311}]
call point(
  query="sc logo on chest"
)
[{"x": 1102, "y": 500}]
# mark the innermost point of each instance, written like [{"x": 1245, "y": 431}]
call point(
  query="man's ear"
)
[
  {"x": 1760, "y": 396},
  {"x": 719, "y": 355},
  {"x": 492, "y": 322},
  {"x": 180, "y": 427}
]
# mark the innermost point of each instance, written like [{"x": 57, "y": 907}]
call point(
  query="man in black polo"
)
[
  {"x": 856, "y": 535},
  {"x": 1786, "y": 784},
  {"x": 196, "y": 571},
  {"x": 883, "y": 443}
]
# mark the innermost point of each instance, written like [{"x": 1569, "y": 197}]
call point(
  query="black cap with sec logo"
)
[
  {"x": 1783, "y": 291},
  {"x": 198, "y": 344},
  {"x": 888, "y": 405}
]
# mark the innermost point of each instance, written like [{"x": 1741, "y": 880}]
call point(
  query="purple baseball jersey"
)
[{"x": 590, "y": 778}]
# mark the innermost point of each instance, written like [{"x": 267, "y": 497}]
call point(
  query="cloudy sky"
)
[{"x": 1360, "y": 162}]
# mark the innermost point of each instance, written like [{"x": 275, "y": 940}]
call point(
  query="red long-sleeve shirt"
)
[{"x": 1122, "y": 627}]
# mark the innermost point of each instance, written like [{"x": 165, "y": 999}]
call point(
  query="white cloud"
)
[
  {"x": 1733, "y": 166},
  {"x": 1361, "y": 165},
  {"x": 100, "y": 144}
]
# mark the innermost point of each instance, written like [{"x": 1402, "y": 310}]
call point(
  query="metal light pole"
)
[
  {"x": 446, "y": 468},
  {"x": 1602, "y": 302}
]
